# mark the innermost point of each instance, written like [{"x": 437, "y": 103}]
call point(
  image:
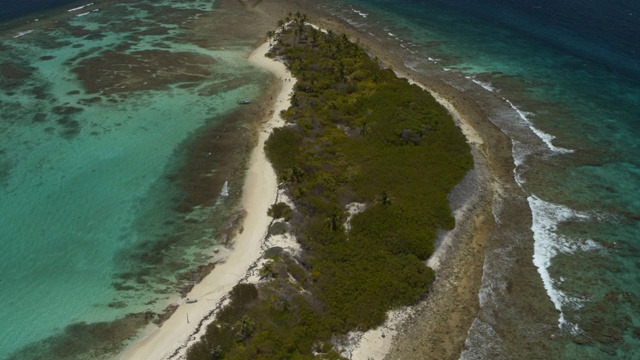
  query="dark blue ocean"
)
[
  {"x": 567, "y": 76},
  {"x": 16, "y": 9}
]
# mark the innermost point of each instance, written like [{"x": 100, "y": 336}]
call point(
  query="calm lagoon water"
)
[{"x": 110, "y": 182}]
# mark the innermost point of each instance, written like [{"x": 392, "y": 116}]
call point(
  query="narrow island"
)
[{"x": 364, "y": 162}]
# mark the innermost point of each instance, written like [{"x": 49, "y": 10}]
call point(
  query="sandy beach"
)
[{"x": 189, "y": 320}]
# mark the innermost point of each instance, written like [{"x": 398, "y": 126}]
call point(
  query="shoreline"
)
[
  {"x": 189, "y": 320},
  {"x": 445, "y": 315}
]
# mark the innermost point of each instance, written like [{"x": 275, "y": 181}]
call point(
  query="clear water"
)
[
  {"x": 567, "y": 79},
  {"x": 97, "y": 220},
  {"x": 88, "y": 199}
]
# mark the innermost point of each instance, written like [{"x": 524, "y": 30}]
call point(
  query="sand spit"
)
[{"x": 189, "y": 321}]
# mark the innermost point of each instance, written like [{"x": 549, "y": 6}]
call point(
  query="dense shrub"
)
[
  {"x": 280, "y": 211},
  {"x": 277, "y": 228}
]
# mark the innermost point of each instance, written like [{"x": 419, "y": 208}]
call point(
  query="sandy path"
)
[{"x": 170, "y": 341}]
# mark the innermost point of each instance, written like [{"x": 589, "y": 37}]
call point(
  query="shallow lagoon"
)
[{"x": 119, "y": 132}]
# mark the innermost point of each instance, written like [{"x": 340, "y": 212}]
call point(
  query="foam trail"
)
[
  {"x": 22, "y": 33},
  {"x": 225, "y": 189},
  {"x": 485, "y": 85},
  {"x": 546, "y": 138},
  {"x": 79, "y": 7},
  {"x": 547, "y": 244},
  {"x": 361, "y": 13}
]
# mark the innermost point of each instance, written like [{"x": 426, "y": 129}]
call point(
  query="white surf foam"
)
[
  {"x": 485, "y": 85},
  {"x": 354, "y": 23},
  {"x": 361, "y": 13},
  {"x": 22, "y": 33},
  {"x": 519, "y": 152},
  {"x": 79, "y": 7},
  {"x": 225, "y": 189},
  {"x": 546, "y": 138},
  {"x": 547, "y": 244}
]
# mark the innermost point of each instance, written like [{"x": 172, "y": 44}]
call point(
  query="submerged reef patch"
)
[
  {"x": 111, "y": 72},
  {"x": 95, "y": 340}
]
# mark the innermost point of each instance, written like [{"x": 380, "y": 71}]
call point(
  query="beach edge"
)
[{"x": 189, "y": 321}]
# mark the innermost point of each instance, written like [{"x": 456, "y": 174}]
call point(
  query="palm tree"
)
[
  {"x": 334, "y": 220},
  {"x": 385, "y": 199},
  {"x": 296, "y": 32},
  {"x": 246, "y": 327},
  {"x": 300, "y": 27},
  {"x": 270, "y": 35},
  {"x": 330, "y": 34},
  {"x": 298, "y": 173},
  {"x": 344, "y": 38},
  {"x": 314, "y": 38}
]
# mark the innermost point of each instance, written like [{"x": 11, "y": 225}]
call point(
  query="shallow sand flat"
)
[{"x": 259, "y": 192}]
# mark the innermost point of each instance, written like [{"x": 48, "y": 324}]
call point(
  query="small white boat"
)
[{"x": 191, "y": 300}]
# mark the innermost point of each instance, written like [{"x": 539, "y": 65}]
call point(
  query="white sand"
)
[
  {"x": 171, "y": 340},
  {"x": 375, "y": 344}
]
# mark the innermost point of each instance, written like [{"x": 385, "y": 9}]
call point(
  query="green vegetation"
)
[
  {"x": 278, "y": 228},
  {"x": 355, "y": 133},
  {"x": 280, "y": 211}
]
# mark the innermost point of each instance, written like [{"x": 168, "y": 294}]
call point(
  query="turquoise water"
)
[
  {"x": 567, "y": 84},
  {"x": 103, "y": 111}
]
